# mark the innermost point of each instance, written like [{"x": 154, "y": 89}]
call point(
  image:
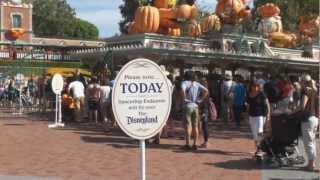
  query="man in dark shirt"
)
[{"x": 78, "y": 77}]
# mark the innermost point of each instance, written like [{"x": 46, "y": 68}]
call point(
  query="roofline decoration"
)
[
  {"x": 204, "y": 50},
  {"x": 50, "y": 42},
  {"x": 20, "y": 5}
]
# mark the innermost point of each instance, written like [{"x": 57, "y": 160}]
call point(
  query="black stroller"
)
[{"x": 281, "y": 147}]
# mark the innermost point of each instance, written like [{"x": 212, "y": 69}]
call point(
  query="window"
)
[{"x": 16, "y": 21}]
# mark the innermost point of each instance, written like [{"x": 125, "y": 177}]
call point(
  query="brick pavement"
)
[{"x": 29, "y": 148}]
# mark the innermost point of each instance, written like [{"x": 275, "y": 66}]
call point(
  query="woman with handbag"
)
[
  {"x": 309, "y": 122},
  {"x": 259, "y": 113}
]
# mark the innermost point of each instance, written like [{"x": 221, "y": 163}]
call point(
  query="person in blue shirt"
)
[{"x": 240, "y": 94}]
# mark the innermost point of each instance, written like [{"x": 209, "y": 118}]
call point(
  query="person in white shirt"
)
[
  {"x": 105, "y": 102},
  {"x": 227, "y": 96},
  {"x": 76, "y": 88},
  {"x": 191, "y": 93}
]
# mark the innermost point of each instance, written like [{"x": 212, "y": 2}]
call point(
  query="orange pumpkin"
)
[
  {"x": 165, "y": 3},
  {"x": 147, "y": 19},
  {"x": 167, "y": 13},
  {"x": 194, "y": 12},
  {"x": 174, "y": 32},
  {"x": 194, "y": 29},
  {"x": 211, "y": 23},
  {"x": 310, "y": 26},
  {"x": 168, "y": 23},
  {"x": 184, "y": 12},
  {"x": 16, "y": 33},
  {"x": 232, "y": 11},
  {"x": 163, "y": 30},
  {"x": 132, "y": 28},
  {"x": 269, "y": 10},
  {"x": 283, "y": 40}
]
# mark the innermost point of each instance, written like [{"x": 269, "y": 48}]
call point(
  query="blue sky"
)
[{"x": 105, "y": 14}]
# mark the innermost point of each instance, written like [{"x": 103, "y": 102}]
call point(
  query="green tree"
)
[
  {"x": 53, "y": 18},
  {"x": 56, "y": 18},
  {"x": 85, "y": 30}
]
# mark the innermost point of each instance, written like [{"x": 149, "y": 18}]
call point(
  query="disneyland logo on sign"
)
[{"x": 141, "y": 99}]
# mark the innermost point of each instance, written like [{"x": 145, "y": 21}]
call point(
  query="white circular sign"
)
[
  {"x": 19, "y": 79},
  {"x": 141, "y": 99},
  {"x": 57, "y": 83}
]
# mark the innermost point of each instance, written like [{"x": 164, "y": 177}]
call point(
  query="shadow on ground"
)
[
  {"x": 241, "y": 164},
  {"x": 14, "y": 124}
]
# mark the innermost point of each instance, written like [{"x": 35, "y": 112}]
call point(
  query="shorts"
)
[
  {"x": 192, "y": 116},
  {"x": 93, "y": 105},
  {"x": 256, "y": 125}
]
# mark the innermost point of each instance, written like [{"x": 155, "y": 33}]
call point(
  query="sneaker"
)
[
  {"x": 310, "y": 169},
  {"x": 194, "y": 147},
  {"x": 156, "y": 141},
  {"x": 259, "y": 153},
  {"x": 186, "y": 147},
  {"x": 204, "y": 145}
]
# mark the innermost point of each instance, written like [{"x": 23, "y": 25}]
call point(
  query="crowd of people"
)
[
  {"x": 11, "y": 89},
  {"x": 197, "y": 99}
]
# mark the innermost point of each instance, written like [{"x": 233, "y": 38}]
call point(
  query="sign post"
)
[
  {"x": 57, "y": 87},
  {"x": 143, "y": 159},
  {"x": 141, "y": 102}
]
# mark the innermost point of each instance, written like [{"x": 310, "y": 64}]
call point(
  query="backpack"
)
[{"x": 212, "y": 110}]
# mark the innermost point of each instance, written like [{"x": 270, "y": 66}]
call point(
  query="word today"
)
[{"x": 141, "y": 87}]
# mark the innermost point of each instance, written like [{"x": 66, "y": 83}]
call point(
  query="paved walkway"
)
[{"x": 29, "y": 150}]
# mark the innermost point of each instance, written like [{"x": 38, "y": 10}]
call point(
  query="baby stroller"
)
[{"x": 281, "y": 146}]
